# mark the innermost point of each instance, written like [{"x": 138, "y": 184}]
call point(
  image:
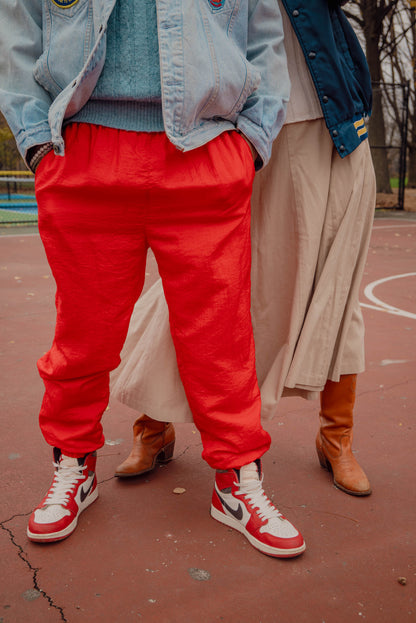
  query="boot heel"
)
[
  {"x": 166, "y": 453},
  {"x": 325, "y": 464}
]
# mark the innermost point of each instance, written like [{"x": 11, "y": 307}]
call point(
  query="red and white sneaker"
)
[
  {"x": 238, "y": 501},
  {"x": 73, "y": 489}
]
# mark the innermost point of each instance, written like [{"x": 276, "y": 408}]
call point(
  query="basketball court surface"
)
[{"x": 143, "y": 553}]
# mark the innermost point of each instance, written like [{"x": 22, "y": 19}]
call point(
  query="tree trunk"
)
[
  {"x": 377, "y": 138},
  {"x": 377, "y": 129},
  {"x": 411, "y": 166}
]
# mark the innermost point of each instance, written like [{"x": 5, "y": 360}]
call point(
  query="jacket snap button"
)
[
  {"x": 335, "y": 133},
  {"x": 325, "y": 99},
  {"x": 295, "y": 13},
  {"x": 342, "y": 147},
  {"x": 312, "y": 55}
]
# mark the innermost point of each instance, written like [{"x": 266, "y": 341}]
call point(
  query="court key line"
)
[{"x": 381, "y": 305}]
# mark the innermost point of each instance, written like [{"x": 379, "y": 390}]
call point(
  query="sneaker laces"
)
[
  {"x": 252, "y": 490},
  {"x": 67, "y": 473}
]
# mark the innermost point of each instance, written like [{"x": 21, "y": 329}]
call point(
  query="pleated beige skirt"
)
[{"x": 312, "y": 214}]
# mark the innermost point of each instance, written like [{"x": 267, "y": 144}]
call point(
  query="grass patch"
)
[
  {"x": 9, "y": 216},
  {"x": 394, "y": 182}
]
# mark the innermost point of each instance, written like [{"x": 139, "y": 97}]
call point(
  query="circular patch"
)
[
  {"x": 216, "y": 4},
  {"x": 65, "y": 4}
]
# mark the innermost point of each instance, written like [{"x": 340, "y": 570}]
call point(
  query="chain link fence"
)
[
  {"x": 17, "y": 198},
  {"x": 390, "y": 158}
]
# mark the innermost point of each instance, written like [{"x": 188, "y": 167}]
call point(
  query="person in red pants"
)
[
  {"x": 144, "y": 123},
  {"x": 312, "y": 214}
]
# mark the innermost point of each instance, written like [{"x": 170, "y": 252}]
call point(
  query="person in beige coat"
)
[{"x": 312, "y": 211}]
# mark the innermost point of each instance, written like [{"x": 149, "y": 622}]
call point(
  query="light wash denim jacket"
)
[{"x": 222, "y": 62}]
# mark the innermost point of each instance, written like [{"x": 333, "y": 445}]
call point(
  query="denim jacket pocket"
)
[
  {"x": 230, "y": 78},
  {"x": 67, "y": 26}
]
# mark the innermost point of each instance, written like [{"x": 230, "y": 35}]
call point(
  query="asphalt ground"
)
[{"x": 143, "y": 553}]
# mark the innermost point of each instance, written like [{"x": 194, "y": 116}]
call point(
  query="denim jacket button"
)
[
  {"x": 342, "y": 147},
  {"x": 335, "y": 133},
  {"x": 325, "y": 99},
  {"x": 312, "y": 55},
  {"x": 295, "y": 13}
]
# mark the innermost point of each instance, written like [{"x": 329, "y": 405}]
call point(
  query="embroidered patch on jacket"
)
[
  {"x": 65, "y": 4},
  {"x": 216, "y": 4},
  {"x": 360, "y": 127}
]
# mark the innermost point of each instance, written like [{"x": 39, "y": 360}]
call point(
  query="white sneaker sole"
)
[
  {"x": 50, "y": 537},
  {"x": 262, "y": 547}
]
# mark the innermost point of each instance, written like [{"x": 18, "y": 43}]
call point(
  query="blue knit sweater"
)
[{"x": 128, "y": 93}]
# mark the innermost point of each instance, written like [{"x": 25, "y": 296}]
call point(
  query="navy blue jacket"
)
[{"x": 338, "y": 68}]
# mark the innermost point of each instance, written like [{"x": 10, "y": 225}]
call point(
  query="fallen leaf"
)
[{"x": 179, "y": 490}]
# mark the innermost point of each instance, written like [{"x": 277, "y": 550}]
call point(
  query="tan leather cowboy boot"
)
[
  {"x": 333, "y": 443},
  {"x": 153, "y": 442}
]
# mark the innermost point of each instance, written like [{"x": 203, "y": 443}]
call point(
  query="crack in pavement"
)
[
  {"x": 34, "y": 570},
  {"x": 185, "y": 450},
  {"x": 172, "y": 460},
  {"x": 320, "y": 511},
  {"x": 383, "y": 388}
]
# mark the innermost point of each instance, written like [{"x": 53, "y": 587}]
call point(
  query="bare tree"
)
[
  {"x": 374, "y": 17},
  {"x": 400, "y": 61},
  {"x": 412, "y": 117}
]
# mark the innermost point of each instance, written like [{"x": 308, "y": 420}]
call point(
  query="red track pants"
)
[{"x": 112, "y": 196}]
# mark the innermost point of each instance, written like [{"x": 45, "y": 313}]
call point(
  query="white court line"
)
[
  {"x": 394, "y": 312},
  {"x": 381, "y": 305}
]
